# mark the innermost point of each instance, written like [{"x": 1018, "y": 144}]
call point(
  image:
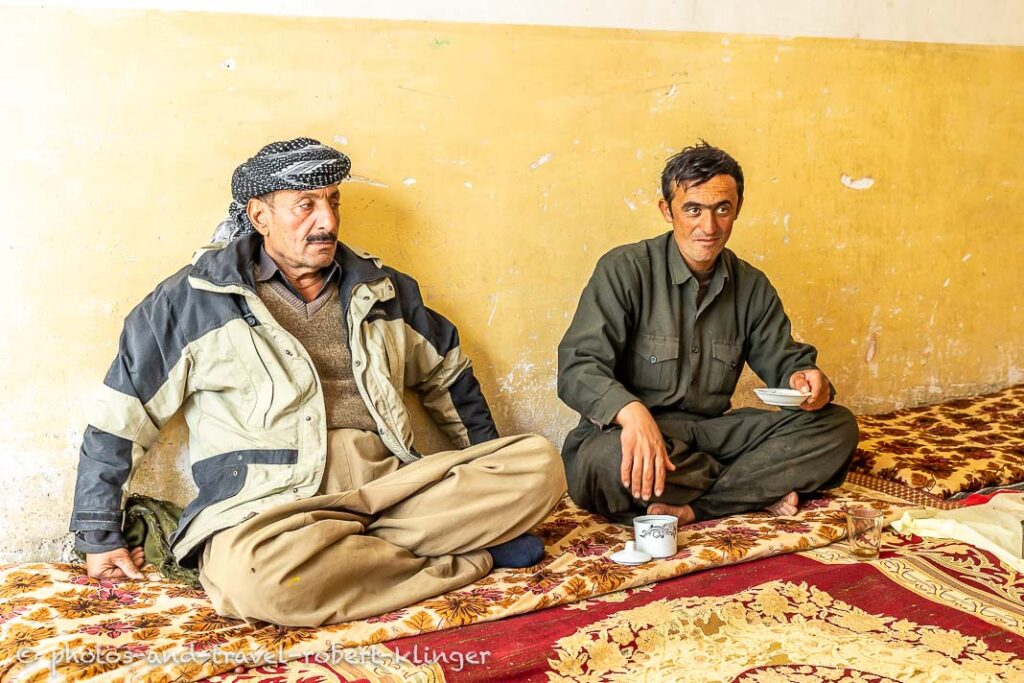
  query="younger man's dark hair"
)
[{"x": 696, "y": 165}]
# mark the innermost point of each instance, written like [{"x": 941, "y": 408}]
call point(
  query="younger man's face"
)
[{"x": 702, "y": 218}]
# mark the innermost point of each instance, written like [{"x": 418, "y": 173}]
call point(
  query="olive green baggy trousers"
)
[{"x": 741, "y": 461}]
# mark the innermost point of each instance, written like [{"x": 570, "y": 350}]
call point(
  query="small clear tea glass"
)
[{"x": 865, "y": 531}]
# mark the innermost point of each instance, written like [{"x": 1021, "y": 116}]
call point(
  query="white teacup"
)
[{"x": 656, "y": 534}]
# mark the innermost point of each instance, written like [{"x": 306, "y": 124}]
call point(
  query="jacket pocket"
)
[
  {"x": 653, "y": 362},
  {"x": 726, "y": 365},
  {"x": 264, "y": 384},
  {"x": 382, "y": 338},
  {"x": 259, "y": 386},
  {"x": 222, "y": 476}
]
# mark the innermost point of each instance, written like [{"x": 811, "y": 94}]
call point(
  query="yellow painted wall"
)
[{"x": 503, "y": 161}]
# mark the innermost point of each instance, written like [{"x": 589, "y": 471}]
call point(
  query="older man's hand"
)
[
  {"x": 116, "y": 564},
  {"x": 815, "y": 382},
  {"x": 644, "y": 458}
]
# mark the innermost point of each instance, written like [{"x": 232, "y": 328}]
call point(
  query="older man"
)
[
  {"x": 652, "y": 357},
  {"x": 289, "y": 353}
]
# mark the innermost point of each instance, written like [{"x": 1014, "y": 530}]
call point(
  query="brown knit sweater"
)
[{"x": 320, "y": 328}]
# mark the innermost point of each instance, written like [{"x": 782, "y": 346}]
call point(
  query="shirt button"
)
[
  {"x": 366, "y": 298},
  {"x": 309, "y": 418},
  {"x": 239, "y": 457},
  {"x": 287, "y": 352},
  {"x": 295, "y": 490},
  {"x": 358, "y": 363},
  {"x": 654, "y": 359},
  {"x": 695, "y": 349}
]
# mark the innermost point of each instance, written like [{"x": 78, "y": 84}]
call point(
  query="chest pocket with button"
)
[
  {"x": 254, "y": 381},
  {"x": 653, "y": 362},
  {"x": 726, "y": 365}
]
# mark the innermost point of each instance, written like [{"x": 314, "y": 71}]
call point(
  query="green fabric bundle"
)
[{"x": 149, "y": 523}]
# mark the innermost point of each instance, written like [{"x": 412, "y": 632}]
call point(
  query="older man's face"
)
[{"x": 299, "y": 227}]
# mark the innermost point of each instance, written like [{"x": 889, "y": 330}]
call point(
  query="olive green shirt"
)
[{"x": 640, "y": 335}]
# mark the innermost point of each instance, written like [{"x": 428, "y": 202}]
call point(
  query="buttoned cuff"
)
[
  {"x": 609, "y": 405},
  {"x": 98, "y": 541}
]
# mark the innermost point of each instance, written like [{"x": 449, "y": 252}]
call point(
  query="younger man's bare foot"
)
[
  {"x": 784, "y": 506},
  {"x": 684, "y": 513}
]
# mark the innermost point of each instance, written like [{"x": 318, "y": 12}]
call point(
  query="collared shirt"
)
[
  {"x": 639, "y": 334},
  {"x": 267, "y": 269}
]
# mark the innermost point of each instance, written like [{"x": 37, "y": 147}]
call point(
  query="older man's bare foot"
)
[
  {"x": 684, "y": 513},
  {"x": 784, "y": 506}
]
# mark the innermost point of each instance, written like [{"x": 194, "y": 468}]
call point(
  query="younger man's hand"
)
[
  {"x": 815, "y": 382},
  {"x": 644, "y": 458}
]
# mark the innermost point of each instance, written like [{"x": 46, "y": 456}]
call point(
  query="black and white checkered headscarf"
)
[{"x": 299, "y": 164}]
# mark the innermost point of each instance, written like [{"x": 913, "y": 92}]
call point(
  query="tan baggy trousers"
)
[{"x": 378, "y": 537}]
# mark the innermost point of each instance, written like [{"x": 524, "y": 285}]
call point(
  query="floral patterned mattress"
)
[
  {"x": 948, "y": 448},
  {"x": 58, "y": 624},
  {"x": 55, "y": 620}
]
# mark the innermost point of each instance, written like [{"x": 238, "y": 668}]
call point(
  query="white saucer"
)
[
  {"x": 630, "y": 555},
  {"x": 786, "y": 398}
]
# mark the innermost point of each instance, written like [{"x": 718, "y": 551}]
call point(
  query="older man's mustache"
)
[{"x": 322, "y": 237}]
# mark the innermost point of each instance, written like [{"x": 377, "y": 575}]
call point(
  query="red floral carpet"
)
[{"x": 924, "y": 611}]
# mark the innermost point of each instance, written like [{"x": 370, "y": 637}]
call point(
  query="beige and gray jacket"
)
[{"x": 204, "y": 342}]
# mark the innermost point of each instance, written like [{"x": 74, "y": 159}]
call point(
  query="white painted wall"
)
[{"x": 982, "y": 22}]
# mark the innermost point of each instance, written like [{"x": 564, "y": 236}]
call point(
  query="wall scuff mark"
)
[
  {"x": 856, "y": 183},
  {"x": 365, "y": 181},
  {"x": 541, "y": 161}
]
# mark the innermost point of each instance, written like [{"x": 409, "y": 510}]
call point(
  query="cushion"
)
[{"x": 960, "y": 445}]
